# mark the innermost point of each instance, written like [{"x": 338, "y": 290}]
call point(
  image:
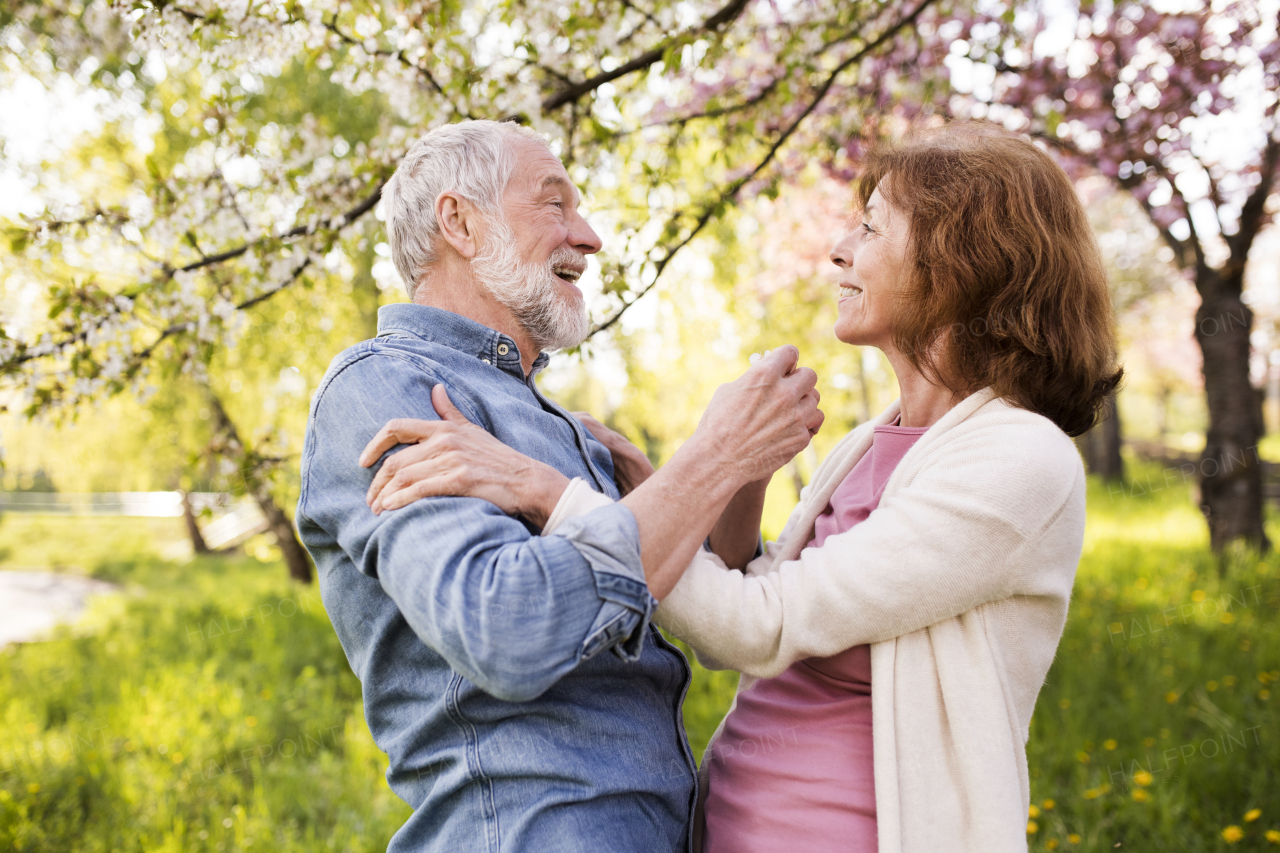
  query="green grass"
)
[{"x": 213, "y": 708}]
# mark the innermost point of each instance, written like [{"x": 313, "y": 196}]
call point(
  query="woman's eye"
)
[{"x": 867, "y": 228}]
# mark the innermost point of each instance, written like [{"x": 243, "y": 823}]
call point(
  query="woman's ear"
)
[{"x": 458, "y": 219}]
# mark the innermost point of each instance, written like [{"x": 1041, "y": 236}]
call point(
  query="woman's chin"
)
[{"x": 852, "y": 335}]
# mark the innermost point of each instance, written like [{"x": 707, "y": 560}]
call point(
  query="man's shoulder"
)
[{"x": 381, "y": 366}]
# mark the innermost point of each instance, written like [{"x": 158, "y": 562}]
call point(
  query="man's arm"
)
[
  {"x": 511, "y": 611},
  {"x": 752, "y": 427}
]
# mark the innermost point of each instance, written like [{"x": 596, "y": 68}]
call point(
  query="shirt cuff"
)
[
  {"x": 578, "y": 498},
  {"x": 606, "y": 534}
]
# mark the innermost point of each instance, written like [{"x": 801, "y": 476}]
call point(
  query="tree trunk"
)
[
  {"x": 193, "y": 529},
  {"x": 1230, "y": 468},
  {"x": 1101, "y": 445},
  {"x": 295, "y": 556},
  {"x": 255, "y": 481}
]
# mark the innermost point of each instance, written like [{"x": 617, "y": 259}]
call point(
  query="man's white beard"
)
[{"x": 553, "y": 320}]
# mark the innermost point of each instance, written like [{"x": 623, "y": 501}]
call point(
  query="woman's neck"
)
[{"x": 923, "y": 402}]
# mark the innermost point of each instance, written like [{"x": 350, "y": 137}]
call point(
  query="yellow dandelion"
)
[
  {"x": 1144, "y": 778},
  {"x": 1082, "y": 757},
  {"x": 1073, "y": 838},
  {"x": 1198, "y": 595},
  {"x": 1252, "y": 814},
  {"x": 1212, "y": 686},
  {"x": 33, "y": 788},
  {"x": 250, "y": 721},
  {"x": 1048, "y": 805},
  {"x": 1140, "y": 795},
  {"x": 1273, "y": 836},
  {"x": 1148, "y": 742},
  {"x": 1264, "y": 695},
  {"x": 1051, "y": 844},
  {"x": 1109, "y": 744},
  {"x": 1232, "y": 834},
  {"x": 1171, "y": 696},
  {"x": 1092, "y": 794},
  {"x": 1032, "y": 826},
  {"x": 1034, "y": 811}
]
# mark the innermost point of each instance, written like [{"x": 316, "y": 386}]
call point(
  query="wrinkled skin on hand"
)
[{"x": 761, "y": 420}]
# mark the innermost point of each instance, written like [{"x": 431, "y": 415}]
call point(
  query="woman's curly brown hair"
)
[{"x": 1007, "y": 288}]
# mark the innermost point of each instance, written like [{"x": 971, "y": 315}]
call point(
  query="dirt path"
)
[{"x": 33, "y": 603}]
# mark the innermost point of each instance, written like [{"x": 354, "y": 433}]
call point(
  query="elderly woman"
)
[{"x": 894, "y": 639}]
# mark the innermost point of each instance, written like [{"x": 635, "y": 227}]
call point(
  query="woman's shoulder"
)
[
  {"x": 999, "y": 442},
  {"x": 1009, "y": 428}
]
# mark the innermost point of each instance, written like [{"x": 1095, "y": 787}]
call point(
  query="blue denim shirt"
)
[{"x": 514, "y": 681}]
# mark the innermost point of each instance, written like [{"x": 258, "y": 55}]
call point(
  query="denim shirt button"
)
[
  {"x": 486, "y": 361},
  {"x": 503, "y": 349}
]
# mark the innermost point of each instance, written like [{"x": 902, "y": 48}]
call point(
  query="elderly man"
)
[{"x": 513, "y": 679}]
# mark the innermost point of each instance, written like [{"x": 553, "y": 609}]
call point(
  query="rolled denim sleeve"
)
[{"x": 510, "y": 610}]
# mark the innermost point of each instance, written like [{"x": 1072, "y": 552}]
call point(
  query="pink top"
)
[{"x": 792, "y": 769}]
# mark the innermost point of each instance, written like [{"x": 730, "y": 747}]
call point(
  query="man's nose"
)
[{"x": 583, "y": 237}]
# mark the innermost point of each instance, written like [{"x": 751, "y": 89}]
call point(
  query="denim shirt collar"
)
[{"x": 456, "y": 332}]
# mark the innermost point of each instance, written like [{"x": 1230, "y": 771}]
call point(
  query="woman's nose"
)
[{"x": 842, "y": 254}]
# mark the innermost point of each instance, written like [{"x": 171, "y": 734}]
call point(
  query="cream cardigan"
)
[{"x": 959, "y": 580}]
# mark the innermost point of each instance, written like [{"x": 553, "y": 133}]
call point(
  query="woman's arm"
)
[
  {"x": 751, "y": 428},
  {"x": 737, "y": 533},
  {"x": 956, "y": 537}
]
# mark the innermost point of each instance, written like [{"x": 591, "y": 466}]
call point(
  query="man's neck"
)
[{"x": 468, "y": 299}]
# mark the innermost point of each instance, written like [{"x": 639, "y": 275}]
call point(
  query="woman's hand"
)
[
  {"x": 630, "y": 466},
  {"x": 453, "y": 456}
]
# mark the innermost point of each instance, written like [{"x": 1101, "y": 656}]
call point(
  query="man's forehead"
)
[{"x": 539, "y": 170}]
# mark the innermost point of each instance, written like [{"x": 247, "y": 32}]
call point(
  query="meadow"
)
[{"x": 209, "y": 707}]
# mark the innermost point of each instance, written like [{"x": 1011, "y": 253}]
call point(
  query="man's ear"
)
[{"x": 459, "y": 220}]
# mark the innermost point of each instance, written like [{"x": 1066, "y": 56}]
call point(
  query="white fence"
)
[
  {"x": 234, "y": 520},
  {"x": 150, "y": 504}
]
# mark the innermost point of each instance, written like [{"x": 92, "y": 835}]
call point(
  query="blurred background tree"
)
[
  {"x": 1177, "y": 106},
  {"x": 202, "y": 247},
  {"x": 215, "y": 235}
]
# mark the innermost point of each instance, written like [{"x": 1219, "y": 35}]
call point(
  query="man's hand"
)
[
  {"x": 630, "y": 466},
  {"x": 758, "y": 422},
  {"x": 453, "y": 456}
]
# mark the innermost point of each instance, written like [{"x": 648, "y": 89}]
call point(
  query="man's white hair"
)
[{"x": 472, "y": 158}]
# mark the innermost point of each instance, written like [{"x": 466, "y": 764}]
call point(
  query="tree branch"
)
[
  {"x": 572, "y": 93},
  {"x": 177, "y": 328},
  {"x": 1197, "y": 247},
  {"x": 332, "y": 26},
  {"x": 1253, "y": 212},
  {"x": 334, "y": 224},
  {"x": 710, "y": 210}
]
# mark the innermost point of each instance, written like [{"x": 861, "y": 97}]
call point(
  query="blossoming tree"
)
[
  {"x": 1179, "y": 108},
  {"x": 252, "y": 141}
]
